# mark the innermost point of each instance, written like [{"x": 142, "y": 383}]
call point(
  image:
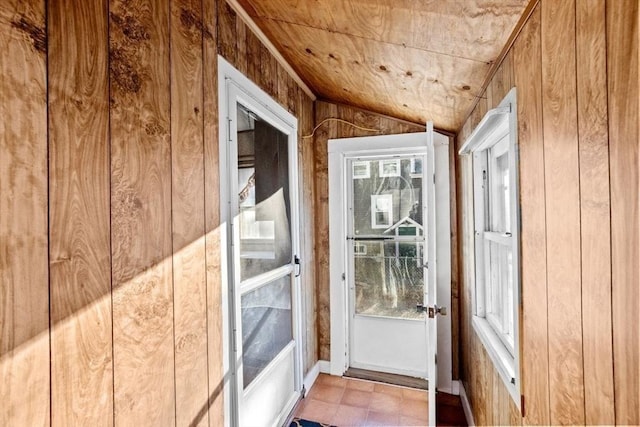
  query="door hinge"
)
[{"x": 228, "y": 129}]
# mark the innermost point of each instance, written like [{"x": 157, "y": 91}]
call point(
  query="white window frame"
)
[
  {"x": 497, "y": 124},
  {"x": 374, "y": 210}
]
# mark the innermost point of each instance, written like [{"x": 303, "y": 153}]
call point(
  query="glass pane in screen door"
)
[
  {"x": 263, "y": 185},
  {"x": 388, "y": 236}
]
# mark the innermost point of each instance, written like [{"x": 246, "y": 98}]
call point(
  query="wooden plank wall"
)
[
  {"x": 24, "y": 270},
  {"x": 110, "y": 309},
  {"x": 332, "y": 130},
  {"x": 575, "y": 67}
]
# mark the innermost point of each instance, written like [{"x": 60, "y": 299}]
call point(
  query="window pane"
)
[
  {"x": 499, "y": 291},
  {"x": 499, "y": 193},
  {"x": 266, "y": 326},
  {"x": 389, "y": 279},
  {"x": 384, "y": 193},
  {"x": 263, "y": 186}
]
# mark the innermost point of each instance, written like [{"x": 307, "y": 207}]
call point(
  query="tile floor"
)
[{"x": 350, "y": 402}]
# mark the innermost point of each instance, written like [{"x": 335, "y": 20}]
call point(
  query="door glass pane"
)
[
  {"x": 266, "y": 325},
  {"x": 263, "y": 186},
  {"x": 387, "y": 195},
  {"x": 389, "y": 279}
]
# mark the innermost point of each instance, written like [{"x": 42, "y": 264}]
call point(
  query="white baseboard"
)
[
  {"x": 454, "y": 389},
  {"x": 311, "y": 377},
  {"x": 466, "y": 406},
  {"x": 325, "y": 366}
]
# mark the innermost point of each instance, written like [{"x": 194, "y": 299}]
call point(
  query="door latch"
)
[
  {"x": 296, "y": 261},
  {"x": 431, "y": 311}
]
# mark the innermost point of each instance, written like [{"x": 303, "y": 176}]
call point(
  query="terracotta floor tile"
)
[
  {"x": 386, "y": 403},
  {"x": 409, "y": 421},
  {"x": 357, "y": 398},
  {"x": 415, "y": 408},
  {"x": 317, "y": 410},
  {"x": 388, "y": 389},
  {"x": 350, "y": 416},
  {"x": 326, "y": 393},
  {"x": 375, "y": 419},
  {"x": 360, "y": 385},
  {"x": 331, "y": 380},
  {"x": 415, "y": 394}
]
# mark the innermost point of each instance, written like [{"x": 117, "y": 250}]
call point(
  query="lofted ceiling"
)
[{"x": 417, "y": 60}]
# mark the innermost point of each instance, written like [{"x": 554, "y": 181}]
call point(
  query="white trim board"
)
[
  {"x": 466, "y": 406},
  {"x": 311, "y": 377}
]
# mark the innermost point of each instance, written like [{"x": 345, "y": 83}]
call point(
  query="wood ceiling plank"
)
[
  {"x": 381, "y": 77},
  {"x": 482, "y": 26}
]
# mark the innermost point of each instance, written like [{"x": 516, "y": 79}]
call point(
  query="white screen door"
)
[
  {"x": 384, "y": 236},
  {"x": 387, "y": 259},
  {"x": 261, "y": 169}
]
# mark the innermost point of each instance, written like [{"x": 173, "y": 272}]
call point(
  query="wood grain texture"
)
[
  {"x": 527, "y": 63},
  {"x": 338, "y": 47},
  {"x": 622, "y": 83},
  {"x": 349, "y": 70},
  {"x": 24, "y": 277},
  {"x": 187, "y": 213},
  {"x": 226, "y": 28},
  {"x": 595, "y": 212},
  {"x": 307, "y": 222},
  {"x": 79, "y": 196},
  {"x": 141, "y": 213},
  {"x": 562, "y": 200},
  {"x": 217, "y": 377}
]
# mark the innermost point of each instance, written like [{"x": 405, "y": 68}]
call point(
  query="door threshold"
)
[{"x": 384, "y": 377}]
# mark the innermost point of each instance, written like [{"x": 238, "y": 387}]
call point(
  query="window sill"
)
[{"x": 499, "y": 355}]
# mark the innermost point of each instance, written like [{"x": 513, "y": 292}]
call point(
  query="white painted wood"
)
[
  {"x": 311, "y": 377},
  {"x": 466, "y": 406},
  {"x": 282, "y": 379},
  {"x": 431, "y": 286},
  {"x": 325, "y": 366},
  {"x": 382, "y": 348},
  {"x": 443, "y": 261}
]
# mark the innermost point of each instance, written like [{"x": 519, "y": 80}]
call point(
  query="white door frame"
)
[
  {"x": 279, "y": 117},
  {"x": 338, "y": 151}
]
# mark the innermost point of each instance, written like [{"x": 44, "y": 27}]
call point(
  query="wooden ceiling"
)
[{"x": 417, "y": 60}]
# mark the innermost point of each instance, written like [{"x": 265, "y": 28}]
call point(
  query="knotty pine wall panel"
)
[
  {"x": 109, "y": 224},
  {"x": 79, "y": 212},
  {"x": 187, "y": 212},
  {"x": 141, "y": 240},
  {"x": 24, "y": 271},
  {"x": 575, "y": 68}
]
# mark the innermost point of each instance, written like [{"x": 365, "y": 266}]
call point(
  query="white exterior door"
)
[
  {"x": 262, "y": 225},
  {"x": 387, "y": 262},
  {"x": 390, "y": 252}
]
